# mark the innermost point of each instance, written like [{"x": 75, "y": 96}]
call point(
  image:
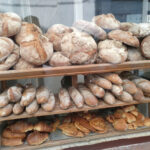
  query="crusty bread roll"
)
[
  {"x": 125, "y": 97},
  {"x": 129, "y": 117},
  {"x": 129, "y": 108},
  {"x": 36, "y": 52},
  {"x": 17, "y": 109},
  {"x": 139, "y": 96},
  {"x": 120, "y": 125},
  {"x": 96, "y": 90},
  {"x": 125, "y": 26},
  {"x": 50, "y": 105},
  {"x": 129, "y": 86},
  {"x": 23, "y": 65},
  {"x": 89, "y": 98},
  {"x": 14, "y": 93},
  {"x": 10, "y": 24},
  {"x": 6, "y": 47},
  {"x": 28, "y": 96},
  {"x": 147, "y": 122},
  {"x": 76, "y": 97},
  {"x": 20, "y": 127},
  {"x": 91, "y": 28},
  {"x": 109, "y": 98},
  {"x": 28, "y": 32},
  {"x": 113, "y": 77},
  {"x": 11, "y": 142},
  {"x": 112, "y": 51},
  {"x": 125, "y": 37},
  {"x": 117, "y": 89},
  {"x": 7, "y": 133},
  {"x": 32, "y": 107},
  {"x": 79, "y": 47},
  {"x": 7, "y": 110},
  {"x": 56, "y": 33},
  {"x": 58, "y": 59},
  {"x": 107, "y": 21},
  {"x": 42, "y": 95},
  {"x": 37, "y": 138},
  {"x": 3, "y": 99},
  {"x": 145, "y": 44},
  {"x": 64, "y": 98},
  {"x": 134, "y": 54}
]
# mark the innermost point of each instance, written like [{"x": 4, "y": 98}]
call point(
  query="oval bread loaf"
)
[
  {"x": 109, "y": 98},
  {"x": 125, "y": 97},
  {"x": 3, "y": 99},
  {"x": 17, "y": 109},
  {"x": 117, "y": 90},
  {"x": 32, "y": 107},
  {"x": 6, "y": 111}
]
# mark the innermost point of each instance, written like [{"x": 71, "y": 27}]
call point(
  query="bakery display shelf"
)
[
  {"x": 58, "y": 110},
  {"x": 73, "y": 70},
  {"x": 58, "y": 139}
]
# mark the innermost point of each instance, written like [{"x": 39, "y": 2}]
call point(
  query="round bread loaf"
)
[
  {"x": 28, "y": 32},
  {"x": 79, "y": 47},
  {"x": 10, "y": 24},
  {"x": 112, "y": 51},
  {"x": 36, "y": 52},
  {"x": 125, "y": 37},
  {"x": 145, "y": 47},
  {"x": 107, "y": 21},
  {"x": 56, "y": 33}
]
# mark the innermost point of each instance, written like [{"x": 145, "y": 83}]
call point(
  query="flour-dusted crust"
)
[
  {"x": 109, "y": 98},
  {"x": 17, "y": 109},
  {"x": 6, "y": 110},
  {"x": 117, "y": 90},
  {"x": 3, "y": 99},
  {"x": 145, "y": 47},
  {"x": 32, "y": 107}
]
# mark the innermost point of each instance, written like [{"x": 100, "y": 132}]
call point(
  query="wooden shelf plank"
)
[
  {"x": 58, "y": 110},
  {"x": 72, "y": 70}
]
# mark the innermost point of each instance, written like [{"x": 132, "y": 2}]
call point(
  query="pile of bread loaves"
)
[{"x": 104, "y": 40}]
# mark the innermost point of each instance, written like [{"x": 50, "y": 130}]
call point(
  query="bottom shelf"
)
[{"x": 61, "y": 141}]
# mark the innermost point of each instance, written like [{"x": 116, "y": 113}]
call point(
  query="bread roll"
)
[
  {"x": 28, "y": 32},
  {"x": 6, "y": 47},
  {"x": 147, "y": 122},
  {"x": 139, "y": 96},
  {"x": 112, "y": 51},
  {"x": 109, "y": 98},
  {"x": 129, "y": 117},
  {"x": 117, "y": 90},
  {"x": 125, "y": 97},
  {"x": 42, "y": 95},
  {"x": 17, "y": 109},
  {"x": 21, "y": 127},
  {"x": 91, "y": 28},
  {"x": 129, "y": 86},
  {"x": 10, "y": 24},
  {"x": 64, "y": 99},
  {"x": 96, "y": 90},
  {"x": 6, "y": 111},
  {"x": 113, "y": 77},
  {"x": 11, "y": 142},
  {"x": 28, "y": 96},
  {"x": 89, "y": 98},
  {"x": 37, "y": 138},
  {"x": 49, "y": 106},
  {"x": 107, "y": 21},
  {"x": 36, "y": 52},
  {"x": 14, "y": 93},
  {"x": 145, "y": 47},
  {"x": 7, "y": 133},
  {"x": 125, "y": 37},
  {"x": 56, "y": 33},
  {"x": 32, "y": 107},
  {"x": 76, "y": 97},
  {"x": 23, "y": 65},
  {"x": 120, "y": 125},
  {"x": 79, "y": 47},
  {"x": 3, "y": 99},
  {"x": 129, "y": 108},
  {"x": 58, "y": 59}
]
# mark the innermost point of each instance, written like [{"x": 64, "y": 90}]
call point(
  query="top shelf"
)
[{"x": 72, "y": 70}]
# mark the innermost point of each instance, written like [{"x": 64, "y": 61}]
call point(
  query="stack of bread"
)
[{"x": 128, "y": 118}]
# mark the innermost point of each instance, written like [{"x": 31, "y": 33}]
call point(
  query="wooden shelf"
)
[
  {"x": 72, "y": 70},
  {"x": 57, "y": 110}
]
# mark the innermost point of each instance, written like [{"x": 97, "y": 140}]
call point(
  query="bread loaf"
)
[
  {"x": 117, "y": 90},
  {"x": 3, "y": 99},
  {"x": 32, "y": 107},
  {"x": 125, "y": 37},
  {"x": 36, "y": 52},
  {"x": 6, "y": 110},
  {"x": 56, "y": 33},
  {"x": 76, "y": 97},
  {"x": 139, "y": 96},
  {"x": 11, "y": 142},
  {"x": 10, "y": 24},
  {"x": 79, "y": 47},
  {"x": 58, "y": 59},
  {"x": 145, "y": 47},
  {"x": 64, "y": 99},
  {"x": 125, "y": 97},
  {"x": 17, "y": 109},
  {"x": 49, "y": 106},
  {"x": 107, "y": 21},
  {"x": 112, "y": 51},
  {"x": 109, "y": 98}
]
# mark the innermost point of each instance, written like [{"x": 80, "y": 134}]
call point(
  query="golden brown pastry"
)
[
  {"x": 139, "y": 123},
  {"x": 17, "y": 109},
  {"x": 120, "y": 125},
  {"x": 7, "y": 110},
  {"x": 132, "y": 126},
  {"x": 140, "y": 117},
  {"x": 37, "y": 138},
  {"x": 129, "y": 117},
  {"x": 55, "y": 124},
  {"x": 134, "y": 112},
  {"x": 129, "y": 108},
  {"x": 110, "y": 118},
  {"x": 147, "y": 122},
  {"x": 118, "y": 113},
  {"x": 3, "y": 99},
  {"x": 11, "y": 142},
  {"x": 32, "y": 107}
]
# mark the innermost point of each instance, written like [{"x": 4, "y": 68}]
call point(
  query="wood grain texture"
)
[{"x": 72, "y": 70}]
